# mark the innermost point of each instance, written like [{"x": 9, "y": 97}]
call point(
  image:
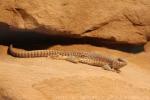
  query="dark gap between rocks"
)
[{"x": 36, "y": 41}]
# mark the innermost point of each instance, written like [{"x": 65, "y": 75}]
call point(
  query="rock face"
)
[
  {"x": 123, "y": 21},
  {"x": 147, "y": 47},
  {"x": 49, "y": 79}
]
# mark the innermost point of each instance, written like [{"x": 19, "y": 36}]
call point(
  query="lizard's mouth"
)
[{"x": 122, "y": 61}]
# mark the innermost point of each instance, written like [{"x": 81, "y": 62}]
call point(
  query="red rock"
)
[{"x": 121, "y": 21}]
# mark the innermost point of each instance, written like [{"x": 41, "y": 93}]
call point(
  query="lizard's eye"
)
[{"x": 121, "y": 60}]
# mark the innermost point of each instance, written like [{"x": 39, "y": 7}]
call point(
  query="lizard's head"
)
[{"x": 119, "y": 63}]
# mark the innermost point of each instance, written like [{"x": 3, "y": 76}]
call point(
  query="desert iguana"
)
[{"x": 95, "y": 59}]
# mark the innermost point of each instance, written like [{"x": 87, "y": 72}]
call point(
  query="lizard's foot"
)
[
  {"x": 107, "y": 67},
  {"x": 117, "y": 70}
]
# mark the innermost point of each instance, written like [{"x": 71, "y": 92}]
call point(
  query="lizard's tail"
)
[
  {"x": 20, "y": 53},
  {"x": 10, "y": 47},
  {"x": 27, "y": 54},
  {"x": 11, "y": 51}
]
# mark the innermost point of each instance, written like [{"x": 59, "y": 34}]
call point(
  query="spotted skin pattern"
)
[{"x": 95, "y": 59}]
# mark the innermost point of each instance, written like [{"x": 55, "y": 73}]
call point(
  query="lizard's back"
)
[{"x": 84, "y": 57}]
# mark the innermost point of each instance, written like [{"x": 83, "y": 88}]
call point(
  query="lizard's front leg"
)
[
  {"x": 117, "y": 70},
  {"x": 107, "y": 67}
]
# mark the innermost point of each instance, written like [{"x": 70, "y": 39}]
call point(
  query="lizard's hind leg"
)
[{"x": 72, "y": 59}]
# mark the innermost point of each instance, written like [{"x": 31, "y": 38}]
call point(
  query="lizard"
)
[{"x": 90, "y": 58}]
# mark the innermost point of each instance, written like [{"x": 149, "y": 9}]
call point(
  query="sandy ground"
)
[{"x": 48, "y": 79}]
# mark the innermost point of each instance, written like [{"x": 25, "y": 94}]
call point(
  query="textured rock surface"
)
[
  {"x": 124, "y": 21},
  {"x": 47, "y": 79}
]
